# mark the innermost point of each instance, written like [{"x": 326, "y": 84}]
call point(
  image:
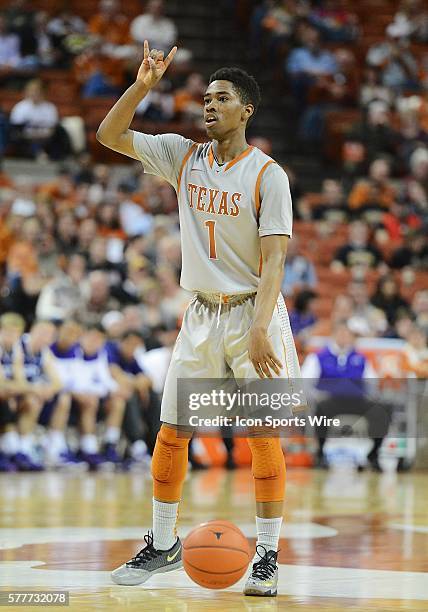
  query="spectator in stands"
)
[
  {"x": 299, "y": 272},
  {"x": 97, "y": 255},
  {"x": 86, "y": 235},
  {"x": 413, "y": 253},
  {"x": 133, "y": 218},
  {"x": 110, "y": 24},
  {"x": 415, "y": 353},
  {"x": 375, "y": 133},
  {"x": 61, "y": 298},
  {"x": 174, "y": 298},
  {"x": 414, "y": 15},
  {"x": 335, "y": 23},
  {"x": 98, "y": 73},
  {"x": 68, "y": 35},
  {"x": 152, "y": 25},
  {"x": 388, "y": 299},
  {"x": 330, "y": 92},
  {"x": 358, "y": 251},
  {"x": 10, "y": 54},
  {"x": 98, "y": 300},
  {"x": 375, "y": 193},
  {"x": 45, "y": 54},
  {"x": 66, "y": 233},
  {"x": 398, "y": 64},
  {"x": 150, "y": 308},
  {"x": 417, "y": 181},
  {"x": 22, "y": 257},
  {"x": 338, "y": 373},
  {"x": 158, "y": 105},
  {"x": 332, "y": 206},
  {"x": 20, "y": 18},
  {"x": 308, "y": 64},
  {"x": 278, "y": 22},
  {"x": 372, "y": 89},
  {"x": 420, "y": 309},
  {"x": 302, "y": 317},
  {"x": 188, "y": 100},
  {"x": 35, "y": 123},
  {"x": 366, "y": 320},
  {"x": 411, "y": 133}
]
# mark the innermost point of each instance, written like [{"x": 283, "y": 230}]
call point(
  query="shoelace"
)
[
  {"x": 147, "y": 553},
  {"x": 265, "y": 568},
  {"x": 219, "y": 309}
]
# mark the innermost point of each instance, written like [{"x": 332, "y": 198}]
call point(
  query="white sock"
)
[
  {"x": 89, "y": 444},
  {"x": 139, "y": 450},
  {"x": 268, "y": 531},
  {"x": 26, "y": 444},
  {"x": 56, "y": 443},
  {"x": 164, "y": 520},
  {"x": 10, "y": 443},
  {"x": 112, "y": 435}
]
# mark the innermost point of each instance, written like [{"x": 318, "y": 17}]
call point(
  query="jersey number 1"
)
[{"x": 211, "y": 236}]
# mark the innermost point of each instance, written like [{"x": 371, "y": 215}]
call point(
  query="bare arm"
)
[
  {"x": 114, "y": 131},
  {"x": 274, "y": 250}
]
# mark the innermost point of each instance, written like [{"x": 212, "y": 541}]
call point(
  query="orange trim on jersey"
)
[
  {"x": 184, "y": 162},
  {"x": 258, "y": 183},
  {"x": 211, "y": 156},
  {"x": 238, "y": 159}
]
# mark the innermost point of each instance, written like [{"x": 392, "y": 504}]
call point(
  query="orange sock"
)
[
  {"x": 169, "y": 464},
  {"x": 268, "y": 466}
]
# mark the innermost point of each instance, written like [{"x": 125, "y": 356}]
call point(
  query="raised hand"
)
[{"x": 154, "y": 65}]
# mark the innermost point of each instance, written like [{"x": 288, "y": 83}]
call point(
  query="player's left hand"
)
[{"x": 262, "y": 355}]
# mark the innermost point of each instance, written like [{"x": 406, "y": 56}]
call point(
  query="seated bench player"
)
[
  {"x": 143, "y": 407},
  {"x": 96, "y": 388},
  {"x": 42, "y": 395},
  {"x": 12, "y": 326}
]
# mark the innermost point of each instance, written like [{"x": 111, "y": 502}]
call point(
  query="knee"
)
[
  {"x": 169, "y": 464},
  {"x": 168, "y": 454}
]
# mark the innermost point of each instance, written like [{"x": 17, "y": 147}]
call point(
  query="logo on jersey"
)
[{"x": 206, "y": 199}]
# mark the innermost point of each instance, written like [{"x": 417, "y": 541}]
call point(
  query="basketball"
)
[{"x": 216, "y": 554}]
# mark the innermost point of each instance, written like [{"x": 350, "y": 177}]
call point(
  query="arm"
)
[
  {"x": 54, "y": 385},
  {"x": 114, "y": 131},
  {"x": 274, "y": 249}
]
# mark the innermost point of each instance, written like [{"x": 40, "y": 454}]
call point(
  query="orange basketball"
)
[{"x": 216, "y": 554}]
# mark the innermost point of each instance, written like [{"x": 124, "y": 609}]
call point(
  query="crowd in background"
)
[{"x": 99, "y": 250}]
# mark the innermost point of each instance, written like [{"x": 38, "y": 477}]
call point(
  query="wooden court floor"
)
[{"x": 349, "y": 541}]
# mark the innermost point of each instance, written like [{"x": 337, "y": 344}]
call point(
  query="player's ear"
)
[{"x": 247, "y": 111}]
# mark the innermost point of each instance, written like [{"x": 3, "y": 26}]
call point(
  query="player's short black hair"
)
[{"x": 245, "y": 85}]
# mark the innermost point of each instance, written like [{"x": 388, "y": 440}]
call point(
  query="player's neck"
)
[{"x": 228, "y": 149}]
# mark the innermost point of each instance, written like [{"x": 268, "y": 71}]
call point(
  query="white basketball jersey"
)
[{"x": 224, "y": 209}]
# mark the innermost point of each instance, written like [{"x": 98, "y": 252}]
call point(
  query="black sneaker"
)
[
  {"x": 263, "y": 580},
  {"x": 148, "y": 562},
  {"x": 374, "y": 462}
]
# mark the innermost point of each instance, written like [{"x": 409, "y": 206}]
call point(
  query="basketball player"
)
[
  {"x": 235, "y": 216},
  {"x": 12, "y": 383},
  {"x": 43, "y": 393}
]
